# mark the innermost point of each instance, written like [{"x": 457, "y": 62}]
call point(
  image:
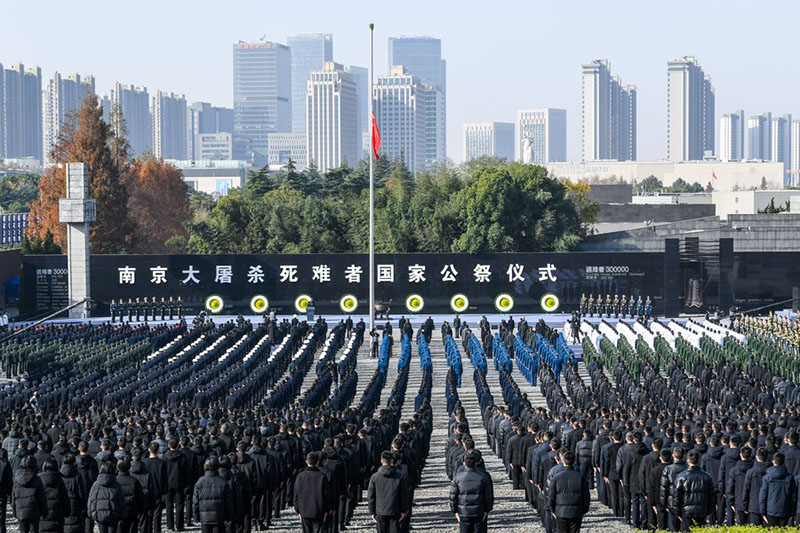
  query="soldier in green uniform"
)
[
  {"x": 616, "y": 306},
  {"x": 582, "y": 307},
  {"x": 592, "y": 305}
]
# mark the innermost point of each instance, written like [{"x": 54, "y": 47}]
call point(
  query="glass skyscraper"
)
[
  {"x": 422, "y": 58},
  {"x": 262, "y": 81},
  {"x": 310, "y": 51}
]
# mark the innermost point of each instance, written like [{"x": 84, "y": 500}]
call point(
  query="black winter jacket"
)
[
  {"x": 583, "y": 451},
  {"x": 752, "y": 486},
  {"x": 388, "y": 493},
  {"x": 57, "y": 503},
  {"x": 28, "y": 498},
  {"x": 569, "y": 494},
  {"x": 177, "y": 470},
  {"x": 311, "y": 493},
  {"x": 77, "y": 494},
  {"x": 734, "y": 489},
  {"x": 213, "y": 499},
  {"x": 694, "y": 494},
  {"x": 106, "y": 503},
  {"x": 148, "y": 484},
  {"x": 133, "y": 494},
  {"x": 668, "y": 477},
  {"x": 88, "y": 470},
  {"x": 471, "y": 493}
]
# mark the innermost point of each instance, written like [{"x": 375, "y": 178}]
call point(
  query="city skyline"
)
[{"x": 205, "y": 73}]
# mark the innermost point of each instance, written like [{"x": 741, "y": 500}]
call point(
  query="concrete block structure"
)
[{"x": 77, "y": 210}]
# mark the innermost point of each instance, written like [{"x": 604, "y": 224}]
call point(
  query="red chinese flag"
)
[
  {"x": 714, "y": 174},
  {"x": 376, "y": 137}
]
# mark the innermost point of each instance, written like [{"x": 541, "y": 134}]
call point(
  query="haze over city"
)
[{"x": 499, "y": 58}]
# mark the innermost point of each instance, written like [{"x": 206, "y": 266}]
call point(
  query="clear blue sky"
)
[{"x": 501, "y": 55}]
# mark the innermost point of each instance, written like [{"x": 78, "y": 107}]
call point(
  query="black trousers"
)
[
  {"x": 3, "y": 505},
  {"x": 174, "y": 500},
  {"x": 470, "y": 524},
  {"x": 129, "y": 525},
  {"x": 261, "y": 506},
  {"x": 145, "y": 522},
  {"x": 106, "y": 528},
  {"x": 158, "y": 512},
  {"x": 388, "y": 524},
  {"x": 212, "y": 528},
  {"x": 516, "y": 476},
  {"x": 615, "y": 496},
  {"x": 689, "y": 522},
  {"x": 774, "y": 521},
  {"x": 29, "y": 526},
  {"x": 187, "y": 505},
  {"x": 312, "y": 525},
  {"x": 569, "y": 525}
]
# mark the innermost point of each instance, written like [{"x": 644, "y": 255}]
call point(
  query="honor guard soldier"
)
[
  {"x": 171, "y": 307},
  {"x": 639, "y": 307},
  {"x": 154, "y": 308},
  {"x": 129, "y": 309},
  {"x": 616, "y": 306},
  {"x": 632, "y": 307},
  {"x": 648, "y": 308},
  {"x": 609, "y": 306},
  {"x": 601, "y": 305},
  {"x": 582, "y": 307},
  {"x": 163, "y": 308},
  {"x": 180, "y": 308},
  {"x": 112, "y": 308},
  {"x": 137, "y": 306},
  {"x": 591, "y": 305},
  {"x": 623, "y": 306}
]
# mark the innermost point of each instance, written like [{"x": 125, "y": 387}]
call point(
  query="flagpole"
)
[{"x": 371, "y": 188}]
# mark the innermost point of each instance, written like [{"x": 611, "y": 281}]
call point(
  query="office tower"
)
[
  {"x": 106, "y": 106},
  {"x": 169, "y": 125},
  {"x": 361, "y": 79},
  {"x": 542, "y": 135},
  {"x": 60, "y": 98},
  {"x": 422, "y": 58},
  {"x": 262, "y": 92},
  {"x": 283, "y": 147},
  {"x": 759, "y": 137},
  {"x": 22, "y": 112},
  {"x": 608, "y": 114},
  {"x": 792, "y": 178},
  {"x": 310, "y": 51},
  {"x": 400, "y": 110},
  {"x": 488, "y": 139},
  {"x": 133, "y": 104},
  {"x": 731, "y": 136},
  {"x": 203, "y": 118},
  {"x": 780, "y": 137},
  {"x": 331, "y": 111},
  {"x": 213, "y": 146},
  {"x": 690, "y": 110}
]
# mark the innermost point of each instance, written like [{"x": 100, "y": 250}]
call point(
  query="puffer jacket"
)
[
  {"x": 133, "y": 494},
  {"x": 710, "y": 461},
  {"x": 149, "y": 490},
  {"x": 213, "y": 499},
  {"x": 57, "y": 503},
  {"x": 388, "y": 493},
  {"x": 28, "y": 498},
  {"x": 569, "y": 494},
  {"x": 752, "y": 486},
  {"x": 694, "y": 494},
  {"x": 471, "y": 493},
  {"x": 106, "y": 503},
  {"x": 778, "y": 494},
  {"x": 668, "y": 477},
  {"x": 76, "y": 494},
  {"x": 583, "y": 451},
  {"x": 88, "y": 470},
  {"x": 177, "y": 470},
  {"x": 734, "y": 489}
]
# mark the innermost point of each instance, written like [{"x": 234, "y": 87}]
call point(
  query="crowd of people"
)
[{"x": 227, "y": 425}]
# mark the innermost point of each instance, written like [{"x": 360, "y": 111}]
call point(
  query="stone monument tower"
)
[{"x": 77, "y": 210}]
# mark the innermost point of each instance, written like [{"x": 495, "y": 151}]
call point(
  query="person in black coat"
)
[
  {"x": 149, "y": 492},
  {"x": 311, "y": 491},
  {"x": 88, "y": 470},
  {"x": 694, "y": 495},
  {"x": 57, "y": 499},
  {"x": 29, "y": 502},
  {"x": 106, "y": 503},
  {"x": 471, "y": 497},
  {"x": 74, "y": 520},
  {"x": 569, "y": 496},
  {"x": 667, "y": 493},
  {"x": 177, "y": 480},
  {"x": 158, "y": 472},
  {"x": 6, "y": 485},
  {"x": 213, "y": 499},
  {"x": 388, "y": 496},
  {"x": 134, "y": 497},
  {"x": 778, "y": 494}
]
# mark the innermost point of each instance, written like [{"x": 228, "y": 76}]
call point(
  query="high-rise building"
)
[
  {"x": 21, "y": 115},
  {"x": 781, "y": 136},
  {"x": 690, "y": 110},
  {"x": 400, "y": 110},
  {"x": 331, "y": 111},
  {"x": 422, "y": 58},
  {"x": 169, "y": 125},
  {"x": 214, "y": 146},
  {"x": 731, "y": 136},
  {"x": 361, "y": 79},
  {"x": 792, "y": 178},
  {"x": 262, "y": 96},
  {"x": 61, "y": 96},
  {"x": 283, "y": 147},
  {"x": 542, "y": 135},
  {"x": 203, "y": 118},
  {"x": 106, "y": 106},
  {"x": 608, "y": 115},
  {"x": 133, "y": 104},
  {"x": 759, "y": 137},
  {"x": 488, "y": 139},
  {"x": 310, "y": 51}
]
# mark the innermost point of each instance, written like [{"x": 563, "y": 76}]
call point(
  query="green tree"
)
[
  {"x": 17, "y": 191},
  {"x": 648, "y": 185}
]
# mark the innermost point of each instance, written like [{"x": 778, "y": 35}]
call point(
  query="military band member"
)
[
  {"x": 592, "y": 306},
  {"x": 583, "y": 304}
]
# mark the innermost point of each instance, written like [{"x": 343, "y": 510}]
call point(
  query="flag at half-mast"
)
[
  {"x": 714, "y": 174},
  {"x": 376, "y": 137}
]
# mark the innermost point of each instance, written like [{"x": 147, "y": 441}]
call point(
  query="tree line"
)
[{"x": 143, "y": 205}]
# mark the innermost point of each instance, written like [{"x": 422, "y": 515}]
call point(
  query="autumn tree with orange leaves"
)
[
  {"x": 87, "y": 138},
  {"x": 140, "y": 204}
]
